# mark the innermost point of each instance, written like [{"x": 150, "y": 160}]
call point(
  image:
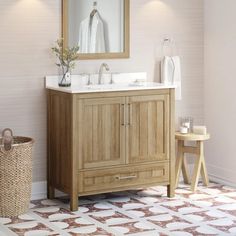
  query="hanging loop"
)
[{"x": 7, "y": 139}]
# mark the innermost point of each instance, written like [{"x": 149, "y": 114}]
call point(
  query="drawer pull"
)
[
  {"x": 126, "y": 177},
  {"x": 130, "y": 114}
]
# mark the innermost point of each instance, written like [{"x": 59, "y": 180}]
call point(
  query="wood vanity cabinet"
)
[{"x": 110, "y": 141}]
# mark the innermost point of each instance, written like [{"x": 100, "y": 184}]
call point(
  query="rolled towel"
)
[{"x": 200, "y": 130}]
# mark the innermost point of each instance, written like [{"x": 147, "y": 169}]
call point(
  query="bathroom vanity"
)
[{"x": 110, "y": 138}]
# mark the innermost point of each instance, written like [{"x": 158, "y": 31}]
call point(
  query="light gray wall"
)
[
  {"x": 28, "y": 30},
  {"x": 220, "y": 87},
  {"x": 30, "y": 27}
]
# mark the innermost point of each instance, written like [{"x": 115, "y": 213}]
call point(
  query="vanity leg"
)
[
  {"x": 51, "y": 192},
  {"x": 170, "y": 190},
  {"x": 74, "y": 203}
]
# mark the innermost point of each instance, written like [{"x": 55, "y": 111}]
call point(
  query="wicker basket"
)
[{"x": 15, "y": 176}]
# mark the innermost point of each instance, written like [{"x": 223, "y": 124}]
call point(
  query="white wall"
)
[
  {"x": 220, "y": 88},
  {"x": 30, "y": 27}
]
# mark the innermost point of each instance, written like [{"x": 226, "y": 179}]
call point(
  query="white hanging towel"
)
[
  {"x": 84, "y": 36},
  {"x": 91, "y": 35},
  {"x": 97, "y": 37},
  {"x": 171, "y": 73}
]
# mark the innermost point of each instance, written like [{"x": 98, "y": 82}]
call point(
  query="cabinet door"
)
[
  {"x": 103, "y": 132},
  {"x": 148, "y": 128}
]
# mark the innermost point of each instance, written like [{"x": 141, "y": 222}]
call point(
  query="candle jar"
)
[{"x": 186, "y": 122}]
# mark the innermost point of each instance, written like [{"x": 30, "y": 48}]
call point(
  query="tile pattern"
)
[{"x": 209, "y": 211}]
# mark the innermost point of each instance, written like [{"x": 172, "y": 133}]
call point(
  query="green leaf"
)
[{"x": 66, "y": 55}]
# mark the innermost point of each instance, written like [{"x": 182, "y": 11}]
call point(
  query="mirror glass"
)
[{"x": 99, "y": 27}]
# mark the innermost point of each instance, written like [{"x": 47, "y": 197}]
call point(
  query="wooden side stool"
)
[{"x": 198, "y": 150}]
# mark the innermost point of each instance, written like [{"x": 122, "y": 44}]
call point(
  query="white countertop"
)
[
  {"x": 110, "y": 87},
  {"x": 122, "y": 82}
]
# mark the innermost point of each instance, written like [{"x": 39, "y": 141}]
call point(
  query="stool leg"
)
[
  {"x": 185, "y": 171},
  {"x": 198, "y": 164},
  {"x": 204, "y": 172},
  {"x": 179, "y": 161}
]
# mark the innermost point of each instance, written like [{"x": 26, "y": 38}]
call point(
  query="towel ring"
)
[{"x": 168, "y": 45}]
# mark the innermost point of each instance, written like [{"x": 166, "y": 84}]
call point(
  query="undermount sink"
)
[
  {"x": 136, "y": 84},
  {"x": 112, "y": 86},
  {"x": 100, "y": 86}
]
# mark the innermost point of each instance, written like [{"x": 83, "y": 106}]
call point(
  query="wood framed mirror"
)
[{"x": 100, "y": 27}]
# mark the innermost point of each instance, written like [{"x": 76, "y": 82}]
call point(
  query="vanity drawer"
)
[{"x": 99, "y": 180}]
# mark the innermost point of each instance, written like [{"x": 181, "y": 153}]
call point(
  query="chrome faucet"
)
[{"x": 100, "y": 75}]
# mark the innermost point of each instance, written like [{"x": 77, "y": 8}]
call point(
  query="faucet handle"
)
[
  {"x": 89, "y": 79},
  {"x": 112, "y": 80}
]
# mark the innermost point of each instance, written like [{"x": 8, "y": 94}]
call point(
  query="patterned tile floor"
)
[{"x": 148, "y": 212}]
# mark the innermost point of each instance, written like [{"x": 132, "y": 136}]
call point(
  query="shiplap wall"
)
[{"x": 29, "y": 28}]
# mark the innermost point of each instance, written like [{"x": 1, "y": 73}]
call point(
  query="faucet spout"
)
[{"x": 100, "y": 75}]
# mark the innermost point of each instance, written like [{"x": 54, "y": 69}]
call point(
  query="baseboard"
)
[
  {"x": 219, "y": 180},
  {"x": 221, "y": 175},
  {"x": 39, "y": 191},
  {"x": 213, "y": 177}
]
